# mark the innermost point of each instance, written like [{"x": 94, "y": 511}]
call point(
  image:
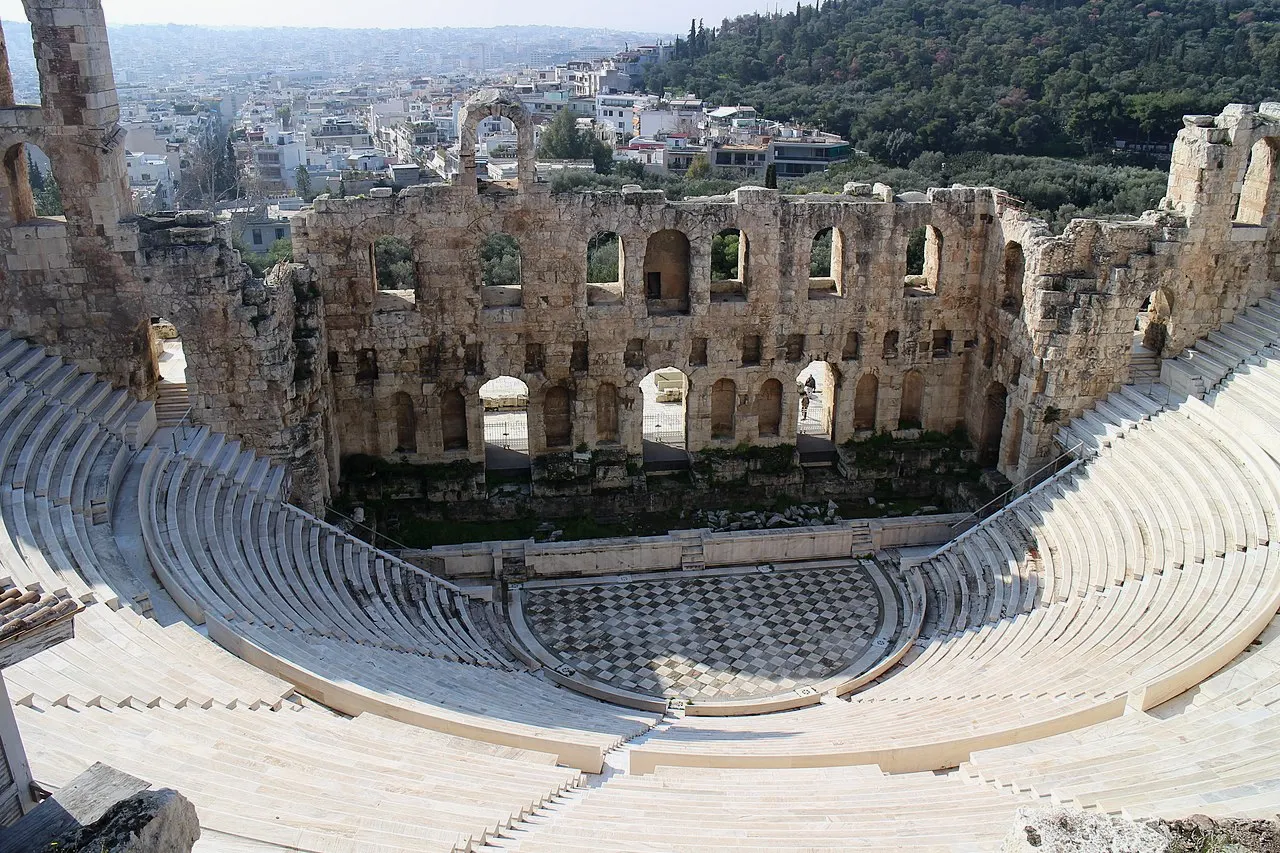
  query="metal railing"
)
[
  {"x": 507, "y": 430},
  {"x": 374, "y": 533},
  {"x": 1078, "y": 452},
  {"x": 183, "y": 429}
]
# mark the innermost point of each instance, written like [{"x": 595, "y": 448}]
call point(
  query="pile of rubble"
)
[{"x": 800, "y": 515}]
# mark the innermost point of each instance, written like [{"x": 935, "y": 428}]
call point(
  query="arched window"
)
[
  {"x": 33, "y": 190},
  {"x": 924, "y": 259},
  {"x": 604, "y": 269},
  {"x": 406, "y": 423},
  {"x": 557, "y": 417},
  {"x": 728, "y": 266},
  {"x": 866, "y": 398},
  {"x": 910, "y": 415},
  {"x": 500, "y": 272},
  {"x": 1014, "y": 274},
  {"x": 666, "y": 273},
  {"x": 607, "y": 413},
  {"x": 453, "y": 420},
  {"x": 724, "y": 403},
  {"x": 769, "y": 408},
  {"x": 826, "y": 268}
]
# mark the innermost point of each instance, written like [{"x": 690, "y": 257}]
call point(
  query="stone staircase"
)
[
  {"x": 1144, "y": 365},
  {"x": 172, "y": 404},
  {"x": 862, "y": 542}
]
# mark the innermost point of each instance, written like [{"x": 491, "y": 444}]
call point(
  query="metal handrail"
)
[
  {"x": 977, "y": 513},
  {"x": 184, "y": 423},
  {"x": 329, "y": 508}
]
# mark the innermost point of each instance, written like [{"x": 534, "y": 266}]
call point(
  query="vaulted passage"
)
[
  {"x": 505, "y": 401},
  {"x": 664, "y": 424}
]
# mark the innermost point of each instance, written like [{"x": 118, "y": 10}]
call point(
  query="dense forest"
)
[{"x": 1045, "y": 77}]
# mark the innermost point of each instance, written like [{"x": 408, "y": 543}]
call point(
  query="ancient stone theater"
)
[{"x": 176, "y": 611}]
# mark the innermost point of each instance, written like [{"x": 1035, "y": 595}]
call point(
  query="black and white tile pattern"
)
[{"x": 711, "y": 638}]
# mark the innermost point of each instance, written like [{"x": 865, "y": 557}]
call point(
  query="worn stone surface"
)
[
  {"x": 1063, "y": 830},
  {"x": 1008, "y": 331},
  {"x": 161, "y": 821}
]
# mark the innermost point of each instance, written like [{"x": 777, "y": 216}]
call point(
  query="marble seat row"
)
[
  {"x": 1217, "y": 752},
  {"x": 1251, "y": 334},
  {"x": 164, "y": 702},
  {"x": 845, "y": 808},
  {"x": 258, "y": 774},
  {"x": 1124, "y": 582},
  {"x": 351, "y": 626}
]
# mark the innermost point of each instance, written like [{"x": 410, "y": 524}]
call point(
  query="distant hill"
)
[{"x": 1060, "y": 77}]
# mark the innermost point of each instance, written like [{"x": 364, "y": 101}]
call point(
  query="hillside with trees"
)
[{"x": 1041, "y": 77}]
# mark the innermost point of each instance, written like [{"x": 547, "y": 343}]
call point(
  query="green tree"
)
[
  {"x": 302, "y": 178},
  {"x": 771, "y": 176},
  {"x": 34, "y": 176},
  {"x": 281, "y": 251},
  {"x": 49, "y": 198},
  {"x": 724, "y": 256},
  {"x": 602, "y": 258},
  {"x": 500, "y": 260},
  {"x": 563, "y": 140},
  {"x": 393, "y": 259},
  {"x": 699, "y": 168}
]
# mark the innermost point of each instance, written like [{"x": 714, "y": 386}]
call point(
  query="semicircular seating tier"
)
[
  {"x": 1118, "y": 584},
  {"x": 349, "y": 625},
  {"x": 265, "y": 768},
  {"x": 1114, "y": 587}
]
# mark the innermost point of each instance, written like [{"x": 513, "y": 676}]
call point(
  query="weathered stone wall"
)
[
  {"x": 87, "y": 284},
  {"x": 1008, "y": 332}
]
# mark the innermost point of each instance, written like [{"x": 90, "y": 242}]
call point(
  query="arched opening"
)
[
  {"x": 663, "y": 425},
  {"x": 505, "y": 401},
  {"x": 910, "y": 415},
  {"x": 993, "y": 423},
  {"x": 607, "y": 414},
  {"x": 724, "y": 405},
  {"x": 453, "y": 420},
  {"x": 604, "y": 269},
  {"x": 406, "y": 423},
  {"x": 391, "y": 259},
  {"x": 817, "y": 400},
  {"x": 1013, "y": 452},
  {"x": 1151, "y": 333},
  {"x": 1014, "y": 272},
  {"x": 29, "y": 181},
  {"x": 1259, "y": 182},
  {"x": 826, "y": 272},
  {"x": 769, "y": 408},
  {"x": 557, "y": 417},
  {"x": 666, "y": 273},
  {"x": 729, "y": 266},
  {"x": 866, "y": 401},
  {"x": 500, "y": 271},
  {"x": 924, "y": 260},
  {"x": 175, "y": 395}
]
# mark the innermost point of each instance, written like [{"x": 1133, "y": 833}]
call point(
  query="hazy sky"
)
[{"x": 646, "y": 16}]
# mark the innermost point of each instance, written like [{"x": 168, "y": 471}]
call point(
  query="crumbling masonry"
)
[{"x": 1008, "y": 332}]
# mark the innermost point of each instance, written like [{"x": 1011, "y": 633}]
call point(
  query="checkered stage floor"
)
[{"x": 711, "y": 638}]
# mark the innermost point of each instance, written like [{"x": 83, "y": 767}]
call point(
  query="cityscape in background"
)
[{"x": 254, "y": 123}]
